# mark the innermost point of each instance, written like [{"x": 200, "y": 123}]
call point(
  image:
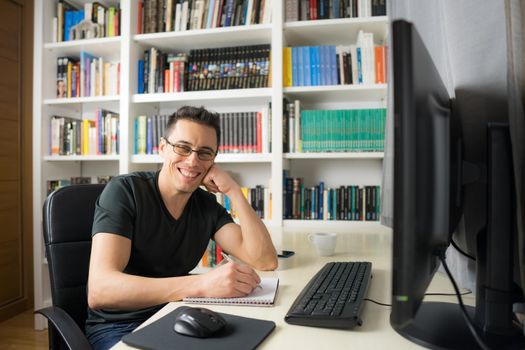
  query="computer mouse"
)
[{"x": 198, "y": 322}]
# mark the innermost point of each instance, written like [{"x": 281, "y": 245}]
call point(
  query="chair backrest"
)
[{"x": 68, "y": 219}]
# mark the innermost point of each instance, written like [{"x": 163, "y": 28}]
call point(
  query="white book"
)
[
  {"x": 54, "y": 36},
  {"x": 263, "y": 295},
  {"x": 249, "y": 9},
  {"x": 88, "y": 9},
  {"x": 184, "y": 16},
  {"x": 178, "y": 10},
  {"x": 267, "y": 17}
]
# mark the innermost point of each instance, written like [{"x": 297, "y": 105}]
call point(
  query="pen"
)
[{"x": 229, "y": 259}]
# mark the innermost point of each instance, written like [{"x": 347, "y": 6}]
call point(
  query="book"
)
[{"x": 260, "y": 296}]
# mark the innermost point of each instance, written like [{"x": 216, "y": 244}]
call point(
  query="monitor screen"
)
[{"x": 428, "y": 180}]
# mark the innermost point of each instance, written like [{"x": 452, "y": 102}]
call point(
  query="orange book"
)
[
  {"x": 167, "y": 85},
  {"x": 380, "y": 64}
]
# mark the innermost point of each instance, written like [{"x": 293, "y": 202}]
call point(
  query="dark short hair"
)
[{"x": 198, "y": 115}]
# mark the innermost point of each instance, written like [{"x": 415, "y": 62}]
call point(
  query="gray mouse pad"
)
[{"x": 239, "y": 333}]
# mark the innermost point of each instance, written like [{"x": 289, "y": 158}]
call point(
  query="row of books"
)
[
  {"x": 245, "y": 132},
  {"x": 52, "y": 185},
  {"x": 259, "y": 198},
  {"x": 306, "y": 10},
  {"x": 93, "y": 20},
  {"x": 353, "y": 130},
  {"x": 181, "y": 15},
  {"x": 363, "y": 63},
  {"x": 212, "y": 255},
  {"x": 351, "y": 202},
  {"x": 241, "y": 132},
  {"x": 204, "y": 69},
  {"x": 87, "y": 76},
  {"x": 96, "y": 136}
]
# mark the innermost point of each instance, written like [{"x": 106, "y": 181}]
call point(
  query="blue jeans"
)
[{"x": 107, "y": 335}]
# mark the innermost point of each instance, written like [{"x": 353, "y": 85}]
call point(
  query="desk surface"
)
[{"x": 368, "y": 244}]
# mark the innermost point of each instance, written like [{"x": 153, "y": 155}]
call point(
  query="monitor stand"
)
[{"x": 440, "y": 325}]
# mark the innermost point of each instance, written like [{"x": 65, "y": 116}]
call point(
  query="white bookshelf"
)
[{"x": 249, "y": 169}]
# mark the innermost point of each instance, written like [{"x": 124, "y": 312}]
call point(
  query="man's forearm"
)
[
  {"x": 118, "y": 290},
  {"x": 256, "y": 241}
]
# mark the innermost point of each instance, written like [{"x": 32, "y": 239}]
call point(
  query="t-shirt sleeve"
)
[{"x": 115, "y": 209}]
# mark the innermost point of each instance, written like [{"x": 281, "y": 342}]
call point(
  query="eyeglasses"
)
[{"x": 185, "y": 150}]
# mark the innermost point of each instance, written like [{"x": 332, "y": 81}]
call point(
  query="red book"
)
[
  {"x": 218, "y": 253},
  {"x": 139, "y": 17},
  {"x": 313, "y": 9}
]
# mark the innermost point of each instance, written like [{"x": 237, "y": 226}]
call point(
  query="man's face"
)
[{"x": 187, "y": 172}]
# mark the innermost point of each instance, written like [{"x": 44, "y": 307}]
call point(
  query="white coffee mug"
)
[{"x": 323, "y": 242}]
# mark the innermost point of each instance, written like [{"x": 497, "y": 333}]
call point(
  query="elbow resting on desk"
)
[{"x": 266, "y": 263}]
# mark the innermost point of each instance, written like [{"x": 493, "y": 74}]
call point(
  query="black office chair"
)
[{"x": 68, "y": 218}]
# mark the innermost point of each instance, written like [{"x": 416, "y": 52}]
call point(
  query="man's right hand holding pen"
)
[{"x": 228, "y": 280}]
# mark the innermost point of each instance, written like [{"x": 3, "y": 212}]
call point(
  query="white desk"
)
[{"x": 370, "y": 244}]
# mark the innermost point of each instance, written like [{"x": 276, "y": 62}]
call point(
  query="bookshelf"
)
[{"x": 249, "y": 169}]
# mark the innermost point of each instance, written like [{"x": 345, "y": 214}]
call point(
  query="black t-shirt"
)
[{"x": 161, "y": 246}]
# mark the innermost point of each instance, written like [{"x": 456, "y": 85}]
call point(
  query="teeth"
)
[{"x": 188, "y": 173}]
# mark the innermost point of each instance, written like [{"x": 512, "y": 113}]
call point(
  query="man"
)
[{"x": 151, "y": 229}]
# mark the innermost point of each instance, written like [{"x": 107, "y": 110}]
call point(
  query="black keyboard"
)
[{"x": 333, "y": 298}]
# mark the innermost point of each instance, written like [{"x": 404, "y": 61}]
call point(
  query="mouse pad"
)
[{"x": 239, "y": 333}]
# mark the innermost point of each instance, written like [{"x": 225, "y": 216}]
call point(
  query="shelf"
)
[
  {"x": 208, "y": 38},
  {"x": 337, "y": 93},
  {"x": 110, "y": 157},
  {"x": 221, "y": 158},
  {"x": 341, "y": 31},
  {"x": 334, "y": 155},
  {"x": 248, "y": 96},
  {"x": 330, "y": 224},
  {"x": 109, "y": 48}
]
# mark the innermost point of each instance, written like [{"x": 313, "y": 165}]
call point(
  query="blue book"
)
[
  {"x": 140, "y": 79},
  {"x": 295, "y": 70},
  {"x": 334, "y": 204},
  {"x": 329, "y": 203},
  {"x": 321, "y": 204},
  {"x": 314, "y": 64},
  {"x": 359, "y": 67},
  {"x": 322, "y": 64},
  {"x": 210, "y": 13},
  {"x": 85, "y": 73},
  {"x": 336, "y": 8},
  {"x": 313, "y": 214},
  {"x": 300, "y": 66},
  {"x": 149, "y": 136},
  {"x": 333, "y": 65},
  {"x": 307, "y": 77},
  {"x": 229, "y": 13}
]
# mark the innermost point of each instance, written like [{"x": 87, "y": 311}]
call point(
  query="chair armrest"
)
[{"x": 68, "y": 329}]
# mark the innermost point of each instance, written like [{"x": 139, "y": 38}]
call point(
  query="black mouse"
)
[{"x": 198, "y": 322}]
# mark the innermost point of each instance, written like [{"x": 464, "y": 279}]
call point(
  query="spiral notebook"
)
[{"x": 261, "y": 296}]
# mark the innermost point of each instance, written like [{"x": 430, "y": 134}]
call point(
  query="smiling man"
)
[{"x": 152, "y": 228}]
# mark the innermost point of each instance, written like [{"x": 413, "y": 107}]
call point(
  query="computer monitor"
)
[{"x": 429, "y": 176}]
